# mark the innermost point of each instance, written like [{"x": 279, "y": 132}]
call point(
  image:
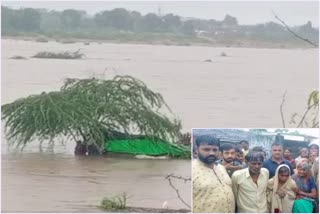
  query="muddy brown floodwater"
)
[{"x": 48, "y": 182}]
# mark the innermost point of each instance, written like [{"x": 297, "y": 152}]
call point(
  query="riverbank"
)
[{"x": 161, "y": 39}]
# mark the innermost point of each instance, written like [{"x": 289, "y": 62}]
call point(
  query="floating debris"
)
[{"x": 223, "y": 54}]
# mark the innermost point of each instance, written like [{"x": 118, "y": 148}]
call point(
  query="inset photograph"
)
[{"x": 255, "y": 170}]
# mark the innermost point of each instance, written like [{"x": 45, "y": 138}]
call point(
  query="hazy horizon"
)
[{"x": 246, "y": 12}]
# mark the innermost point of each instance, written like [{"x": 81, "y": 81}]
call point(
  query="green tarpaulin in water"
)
[{"x": 146, "y": 147}]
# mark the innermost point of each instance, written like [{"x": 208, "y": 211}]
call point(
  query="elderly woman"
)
[
  {"x": 307, "y": 191},
  {"x": 281, "y": 191}
]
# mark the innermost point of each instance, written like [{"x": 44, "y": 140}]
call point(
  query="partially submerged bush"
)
[
  {"x": 18, "y": 57},
  {"x": 60, "y": 55},
  {"x": 118, "y": 202},
  {"x": 41, "y": 39},
  {"x": 67, "y": 41}
]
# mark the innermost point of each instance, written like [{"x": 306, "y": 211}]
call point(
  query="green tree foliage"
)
[
  {"x": 30, "y": 20},
  {"x": 27, "y": 19},
  {"x": 281, "y": 130},
  {"x": 150, "y": 23},
  {"x": 90, "y": 110},
  {"x": 118, "y": 18},
  {"x": 258, "y": 130},
  {"x": 71, "y": 19},
  {"x": 50, "y": 21},
  {"x": 171, "y": 22},
  {"x": 188, "y": 28},
  {"x": 7, "y": 18},
  {"x": 230, "y": 21}
]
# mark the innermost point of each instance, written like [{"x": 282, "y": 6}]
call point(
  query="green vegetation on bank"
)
[{"x": 120, "y": 25}]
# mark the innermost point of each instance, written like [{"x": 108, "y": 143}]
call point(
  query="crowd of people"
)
[{"x": 229, "y": 178}]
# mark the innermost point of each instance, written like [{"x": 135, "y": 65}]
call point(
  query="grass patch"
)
[{"x": 118, "y": 202}]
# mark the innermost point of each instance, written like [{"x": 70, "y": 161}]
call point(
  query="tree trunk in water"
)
[{"x": 80, "y": 149}]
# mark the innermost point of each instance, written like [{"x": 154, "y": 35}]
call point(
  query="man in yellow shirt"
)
[
  {"x": 212, "y": 188},
  {"x": 249, "y": 185}
]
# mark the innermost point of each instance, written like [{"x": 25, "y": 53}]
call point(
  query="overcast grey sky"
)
[{"x": 247, "y": 12}]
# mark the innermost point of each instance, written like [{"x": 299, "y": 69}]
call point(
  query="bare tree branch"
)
[
  {"x": 294, "y": 33},
  {"x": 305, "y": 114},
  {"x": 179, "y": 177},
  {"x": 316, "y": 125},
  {"x": 281, "y": 109},
  {"x": 168, "y": 177}
]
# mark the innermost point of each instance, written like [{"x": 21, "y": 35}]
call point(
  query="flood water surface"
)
[
  {"x": 243, "y": 89},
  {"x": 44, "y": 182}
]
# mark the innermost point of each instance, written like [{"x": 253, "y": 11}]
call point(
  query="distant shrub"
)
[
  {"x": 60, "y": 55},
  {"x": 67, "y": 41},
  {"x": 18, "y": 57},
  {"x": 42, "y": 39}
]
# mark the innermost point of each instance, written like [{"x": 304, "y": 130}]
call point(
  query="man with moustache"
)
[
  {"x": 249, "y": 185},
  {"x": 228, "y": 152},
  {"x": 276, "y": 160},
  {"x": 212, "y": 189}
]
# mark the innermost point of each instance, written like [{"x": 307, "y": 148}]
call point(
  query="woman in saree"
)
[
  {"x": 281, "y": 191},
  {"x": 307, "y": 190}
]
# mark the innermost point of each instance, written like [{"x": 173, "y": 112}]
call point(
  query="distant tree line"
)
[{"x": 42, "y": 21}]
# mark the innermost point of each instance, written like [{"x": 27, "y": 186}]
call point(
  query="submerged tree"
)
[{"x": 90, "y": 110}]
